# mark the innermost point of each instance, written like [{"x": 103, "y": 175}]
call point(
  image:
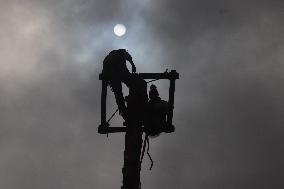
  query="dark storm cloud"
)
[
  {"x": 230, "y": 98},
  {"x": 229, "y": 101}
]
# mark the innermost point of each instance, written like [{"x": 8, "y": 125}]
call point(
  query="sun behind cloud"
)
[{"x": 119, "y": 30}]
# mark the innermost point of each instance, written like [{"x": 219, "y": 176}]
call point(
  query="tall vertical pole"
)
[
  {"x": 136, "y": 104},
  {"x": 131, "y": 169},
  {"x": 135, "y": 118}
]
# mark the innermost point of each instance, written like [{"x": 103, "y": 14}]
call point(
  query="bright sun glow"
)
[{"x": 119, "y": 30}]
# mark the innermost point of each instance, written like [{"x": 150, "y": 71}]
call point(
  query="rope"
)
[
  {"x": 146, "y": 142},
  {"x": 152, "y": 163},
  {"x": 112, "y": 115},
  {"x": 146, "y": 139},
  {"x": 143, "y": 149}
]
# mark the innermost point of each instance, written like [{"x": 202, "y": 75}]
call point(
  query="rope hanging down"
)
[
  {"x": 146, "y": 139},
  {"x": 146, "y": 142}
]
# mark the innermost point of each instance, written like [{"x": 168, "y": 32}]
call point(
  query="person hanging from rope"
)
[{"x": 115, "y": 68}]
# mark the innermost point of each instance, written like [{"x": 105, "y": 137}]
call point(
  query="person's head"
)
[
  {"x": 122, "y": 51},
  {"x": 153, "y": 92},
  {"x": 119, "y": 54},
  {"x": 118, "y": 51}
]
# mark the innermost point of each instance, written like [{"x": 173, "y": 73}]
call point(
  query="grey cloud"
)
[{"x": 229, "y": 100}]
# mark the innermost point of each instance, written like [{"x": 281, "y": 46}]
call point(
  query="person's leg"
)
[{"x": 117, "y": 90}]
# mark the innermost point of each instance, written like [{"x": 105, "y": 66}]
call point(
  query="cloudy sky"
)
[{"x": 229, "y": 111}]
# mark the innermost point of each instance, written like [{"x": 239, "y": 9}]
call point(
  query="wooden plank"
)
[
  {"x": 171, "y": 102},
  {"x": 166, "y": 75}
]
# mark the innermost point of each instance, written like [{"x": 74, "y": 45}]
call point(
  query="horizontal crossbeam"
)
[
  {"x": 105, "y": 130},
  {"x": 166, "y": 75}
]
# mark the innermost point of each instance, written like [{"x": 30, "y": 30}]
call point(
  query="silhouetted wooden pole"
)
[
  {"x": 136, "y": 103},
  {"x": 171, "y": 96},
  {"x": 131, "y": 168},
  {"x": 136, "y": 111}
]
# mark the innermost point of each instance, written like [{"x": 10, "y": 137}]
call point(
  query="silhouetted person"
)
[
  {"x": 153, "y": 94},
  {"x": 157, "y": 113},
  {"x": 114, "y": 67},
  {"x": 115, "y": 63}
]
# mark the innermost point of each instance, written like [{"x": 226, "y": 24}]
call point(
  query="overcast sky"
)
[{"x": 229, "y": 110}]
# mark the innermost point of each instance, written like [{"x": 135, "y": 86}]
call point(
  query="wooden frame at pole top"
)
[{"x": 172, "y": 76}]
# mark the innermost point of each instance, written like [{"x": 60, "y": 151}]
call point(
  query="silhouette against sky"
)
[{"x": 229, "y": 101}]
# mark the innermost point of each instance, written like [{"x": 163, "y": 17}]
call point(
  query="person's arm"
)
[
  {"x": 133, "y": 66},
  {"x": 129, "y": 58}
]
